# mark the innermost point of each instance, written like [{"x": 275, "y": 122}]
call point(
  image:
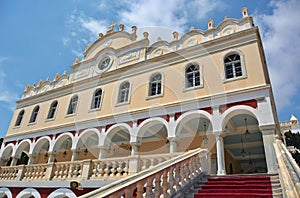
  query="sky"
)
[{"x": 40, "y": 38}]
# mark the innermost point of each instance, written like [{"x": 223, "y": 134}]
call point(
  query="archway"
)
[
  {"x": 5, "y": 193},
  {"x": 243, "y": 145},
  {"x": 6, "y": 155},
  {"x": 62, "y": 193},
  {"x": 41, "y": 149},
  {"x": 153, "y": 137},
  {"x": 62, "y": 148},
  {"x": 118, "y": 141},
  {"x": 29, "y": 193},
  {"x": 22, "y": 152},
  {"x": 194, "y": 130},
  {"x": 87, "y": 145}
]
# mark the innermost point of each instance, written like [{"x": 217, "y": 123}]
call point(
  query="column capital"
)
[
  {"x": 135, "y": 143},
  {"x": 219, "y": 134},
  {"x": 103, "y": 147},
  {"x": 267, "y": 127},
  {"x": 172, "y": 139}
]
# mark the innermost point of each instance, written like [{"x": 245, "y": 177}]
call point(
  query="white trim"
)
[
  {"x": 6, "y": 192},
  {"x": 162, "y": 85},
  {"x": 29, "y": 191},
  {"x": 62, "y": 191}
]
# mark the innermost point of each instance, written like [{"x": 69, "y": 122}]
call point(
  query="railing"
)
[
  {"x": 116, "y": 167},
  {"x": 9, "y": 173},
  {"x": 87, "y": 169},
  {"x": 35, "y": 172},
  {"x": 163, "y": 180},
  {"x": 289, "y": 170}
]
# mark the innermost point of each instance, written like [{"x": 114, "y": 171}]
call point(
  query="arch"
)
[
  {"x": 112, "y": 131},
  {"x": 41, "y": 148},
  {"x": 28, "y": 193},
  {"x": 150, "y": 122},
  {"x": 5, "y": 191},
  {"x": 193, "y": 129},
  {"x": 62, "y": 193},
  {"x": 237, "y": 110},
  {"x": 39, "y": 143},
  {"x": 22, "y": 151},
  {"x": 62, "y": 145},
  {"x": 21, "y": 146},
  {"x": 7, "y": 153},
  {"x": 88, "y": 142}
]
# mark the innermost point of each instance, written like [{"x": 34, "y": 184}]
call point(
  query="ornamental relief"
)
[{"x": 129, "y": 56}]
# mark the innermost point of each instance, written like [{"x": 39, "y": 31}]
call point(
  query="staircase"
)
[{"x": 242, "y": 186}]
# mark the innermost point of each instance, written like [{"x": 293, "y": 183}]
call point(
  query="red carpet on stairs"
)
[{"x": 242, "y": 186}]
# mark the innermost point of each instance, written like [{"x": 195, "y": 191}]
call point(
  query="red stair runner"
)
[{"x": 242, "y": 186}]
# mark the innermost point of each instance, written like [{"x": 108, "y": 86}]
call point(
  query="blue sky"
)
[{"x": 41, "y": 38}]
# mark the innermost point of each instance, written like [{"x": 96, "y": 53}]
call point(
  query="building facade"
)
[{"x": 129, "y": 104}]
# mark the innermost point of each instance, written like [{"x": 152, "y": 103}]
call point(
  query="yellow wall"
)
[{"x": 173, "y": 91}]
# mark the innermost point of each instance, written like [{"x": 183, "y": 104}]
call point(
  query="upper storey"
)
[{"x": 118, "y": 49}]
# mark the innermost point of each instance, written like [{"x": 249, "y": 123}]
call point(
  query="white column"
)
[
  {"x": 220, "y": 155},
  {"x": 173, "y": 144},
  {"x": 31, "y": 159},
  {"x": 270, "y": 155},
  {"x": 51, "y": 157},
  {"x": 14, "y": 161},
  {"x": 102, "y": 152},
  {"x": 135, "y": 148},
  {"x": 74, "y": 155}
]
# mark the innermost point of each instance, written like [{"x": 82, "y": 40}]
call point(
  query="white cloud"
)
[
  {"x": 281, "y": 39},
  {"x": 6, "y": 96}
]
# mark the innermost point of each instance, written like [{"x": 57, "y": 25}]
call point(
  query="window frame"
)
[
  {"x": 69, "y": 106},
  {"x": 161, "y": 85},
  {"x": 119, "y": 102},
  {"x": 19, "y": 118},
  {"x": 186, "y": 82},
  {"x": 242, "y": 62},
  {"x": 51, "y": 109},
  {"x": 34, "y": 114},
  {"x": 92, "y": 108}
]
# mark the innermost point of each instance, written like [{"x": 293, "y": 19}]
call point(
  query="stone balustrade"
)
[
  {"x": 87, "y": 169},
  {"x": 35, "y": 172},
  {"x": 166, "y": 179},
  {"x": 9, "y": 173}
]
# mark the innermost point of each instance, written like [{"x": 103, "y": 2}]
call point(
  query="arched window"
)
[
  {"x": 192, "y": 74},
  {"x": 97, "y": 99},
  {"x": 124, "y": 92},
  {"x": 73, "y": 105},
  {"x": 34, "y": 114},
  {"x": 20, "y": 117},
  {"x": 52, "y": 110},
  {"x": 155, "y": 85},
  {"x": 233, "y": 66}
]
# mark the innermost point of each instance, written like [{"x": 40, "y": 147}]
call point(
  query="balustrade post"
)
[
  {"x": 171, "y": 180},
  {"x": 268, "y": 140},
  {"x": 86, "y": 169},
  {"x": 165, "y": 184},
  {"x": 129, "y": 192},
  {"x": 157, "y": 187},
  {"x": 206, "y": 163},
  {"x": 49, "y": 171},
  {"x": 149, "y": 192},
  {"x": 21, "y": 171},
  {"x": 139, "y": 189}
]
